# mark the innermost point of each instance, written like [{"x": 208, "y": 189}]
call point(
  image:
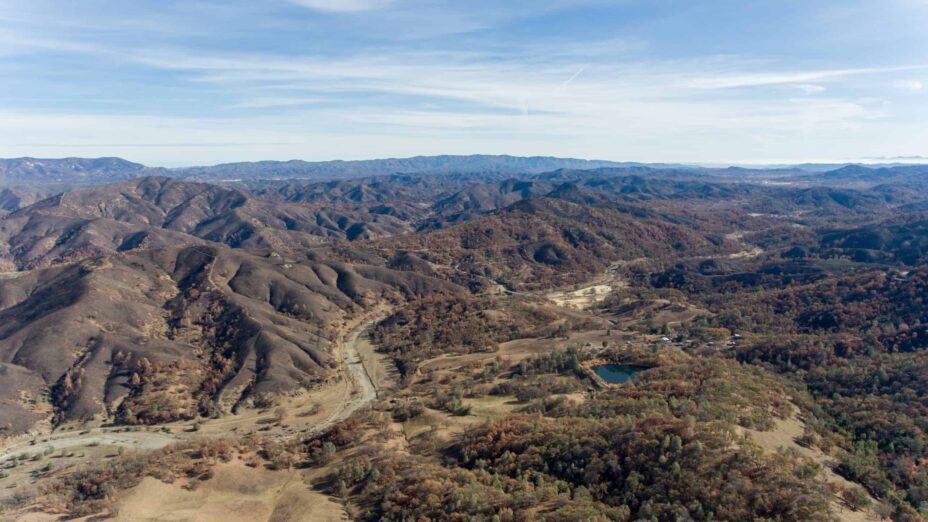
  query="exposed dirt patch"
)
[
  {"x": 784, "y": 436},
  {"x": 582, "y": 297},
  {"x": 235, "y": 493},
  {"x": 585, "y": 295}
]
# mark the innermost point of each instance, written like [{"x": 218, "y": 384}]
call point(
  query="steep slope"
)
[
  {"x": 392, "y": 189},
  {"x": 158, "y": 211},
  {"x": 485, "y": 197},
  {"x": 12, "y": 199},
  {"x": 173, "y": 333}
]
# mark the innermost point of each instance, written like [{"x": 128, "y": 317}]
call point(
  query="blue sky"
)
[{"x": 206, "y": 81}]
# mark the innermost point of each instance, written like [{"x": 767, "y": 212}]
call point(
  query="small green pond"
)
[{"x": 618, "y": 373}]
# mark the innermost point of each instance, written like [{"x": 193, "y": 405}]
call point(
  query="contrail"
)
[{"x": 572, "y": 78}]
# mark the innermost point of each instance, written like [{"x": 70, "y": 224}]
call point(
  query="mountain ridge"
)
[{"x": 70, "y": 172}]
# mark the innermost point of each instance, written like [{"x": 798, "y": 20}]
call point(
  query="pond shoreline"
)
[
  {"x": 618, "y": 374},
  {"x": 590, "y": 366}
]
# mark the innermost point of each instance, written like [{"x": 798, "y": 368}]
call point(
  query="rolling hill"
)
[
  {"x": 173, "y": 333},
  {"x": 158, "y": 211}
]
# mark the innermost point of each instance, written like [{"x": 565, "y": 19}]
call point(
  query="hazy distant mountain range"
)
[
  {"x": 108, "y": 170},
  {"x": 72, "y": 170},
  {"x": 92, "y": 171},
  {"x": 447, "y": 165}
]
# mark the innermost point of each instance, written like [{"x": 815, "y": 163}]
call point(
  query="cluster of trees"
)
[
  {"x": 452, "y": 402},
  {"x": 437, "y": 324},
  {"x": 887, "y": 309},
  {"x": 702, "y": 278},
  {"x": 543, "y": 243},
  {"x": 879, "y": 413},
  {"x": 902, "y": 241},
  {"x": 418, "y": 488},
  {"x": 857, "y": 340},
  {"x": 163, "y": 392},
  {"x": 656, "y": 467},
  {"x": 704, "y": 389},
  {"x": 567, "y": 360},
  {"x": 661, "y": 447}
]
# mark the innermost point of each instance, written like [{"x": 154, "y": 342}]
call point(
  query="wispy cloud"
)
[
  {"x": 360, "y": 78},
  {"x": 343, "y": 5},
  {"x": 909, "y": 85},
  {"x": 736, "y": 80},
  {"x": 476, "y": 98},
  {"x": 811, "y": 88},
  {"x": 267, "y": 102},
  {"x": 492, "y": 84}
]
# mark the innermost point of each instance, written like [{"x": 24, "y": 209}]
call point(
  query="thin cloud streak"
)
[
  {"x": 343, "y": 6},
  {"x": 766, "y": 79},
  {"x": 573, "y": 77}
]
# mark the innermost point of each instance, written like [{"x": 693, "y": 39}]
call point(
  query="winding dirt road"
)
[{"x": 363, "y": 391}]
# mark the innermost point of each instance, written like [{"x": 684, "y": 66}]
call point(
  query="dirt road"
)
[
  {"x": 139, "y": 440},
  {"x": 362, "y": 389}
]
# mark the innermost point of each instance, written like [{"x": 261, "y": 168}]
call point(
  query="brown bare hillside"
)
[
  {"x": 174, "y": 333},
  {"x": 153, "y": 212}
]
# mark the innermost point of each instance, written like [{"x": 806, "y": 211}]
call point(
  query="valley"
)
[{"x": 559, "y": 345}]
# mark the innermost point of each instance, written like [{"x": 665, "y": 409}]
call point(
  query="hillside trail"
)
[{"x": 355, "y": 391}]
